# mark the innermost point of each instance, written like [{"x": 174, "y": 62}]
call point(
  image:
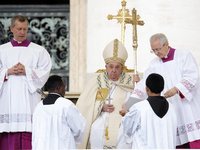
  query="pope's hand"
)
[
  {"x": 108, "y": 108},
  {"x": 136, "y": 78}
]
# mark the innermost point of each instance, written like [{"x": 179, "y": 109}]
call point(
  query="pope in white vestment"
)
[
  {"x": 102, "y": 99},
  {"x": 182, "y": 87}
]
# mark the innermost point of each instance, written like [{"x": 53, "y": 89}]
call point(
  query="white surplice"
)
[
  {"x": 181, "y": 72},
  {"x": 57, "y": 126},
  {"x": 18, "y": 96},
  {"x": 146, "y": 130}
]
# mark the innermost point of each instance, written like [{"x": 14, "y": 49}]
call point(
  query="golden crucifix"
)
[
  {"x": 135, "y": 21},
  {"x": 123, "y": 17}
]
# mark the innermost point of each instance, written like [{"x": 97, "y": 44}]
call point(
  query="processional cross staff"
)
[{"x": 124, "y": 18}]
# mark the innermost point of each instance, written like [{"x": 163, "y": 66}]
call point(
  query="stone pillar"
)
[{"x": 78, "y": 42}]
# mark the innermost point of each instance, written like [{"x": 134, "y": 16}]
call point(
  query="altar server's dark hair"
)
[
  {"x": 155, "y": 83},
  {"x": 53, "y": 82}
]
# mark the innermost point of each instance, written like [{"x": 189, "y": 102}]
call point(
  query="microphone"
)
[{"x": 39, "y": 91}]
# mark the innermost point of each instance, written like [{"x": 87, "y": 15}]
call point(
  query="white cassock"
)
[
  {"x": 18, "y": 96},
  {"x": 97, "y": 135},
  {"x": 181, "y": 71},
  {"x": 57, "y": 126},
  {"x": 146, "y": 130}
]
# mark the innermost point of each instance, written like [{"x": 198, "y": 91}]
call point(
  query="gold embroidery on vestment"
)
[{"x": 102, "y": 94}]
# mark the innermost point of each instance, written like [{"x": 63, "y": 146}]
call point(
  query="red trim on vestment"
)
[
  {"x": 5, "y": 79},
  {"x": 181, "y": 95}
]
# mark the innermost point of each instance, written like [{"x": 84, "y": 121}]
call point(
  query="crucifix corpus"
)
[{"x": 124, "y": 18}]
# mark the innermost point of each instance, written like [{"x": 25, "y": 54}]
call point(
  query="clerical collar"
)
[
  {"x": 24, "y": 43},
  {"x": 170, "y": 55}
]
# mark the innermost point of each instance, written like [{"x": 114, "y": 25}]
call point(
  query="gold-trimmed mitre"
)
[{"x": 115, "y": 51}]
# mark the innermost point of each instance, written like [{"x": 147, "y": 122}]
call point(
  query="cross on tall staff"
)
[
  {"x": 135, "y": 21},
  {"x": 124, "y": 18}
]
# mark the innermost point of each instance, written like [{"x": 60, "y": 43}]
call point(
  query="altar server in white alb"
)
[
  {"x": 182, "y": 88},
  {"x": 24, "y": 67},
  {"x": 57, "y": 123},
  {"x": 151, "y": 123}
]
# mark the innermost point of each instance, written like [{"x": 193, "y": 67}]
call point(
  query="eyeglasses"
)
[{"x": 157, "y": 50}]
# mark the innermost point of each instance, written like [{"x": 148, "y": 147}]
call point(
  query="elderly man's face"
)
[
  {"x": 114, "y": 70},
  {"x": 159, "y": 49}
]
